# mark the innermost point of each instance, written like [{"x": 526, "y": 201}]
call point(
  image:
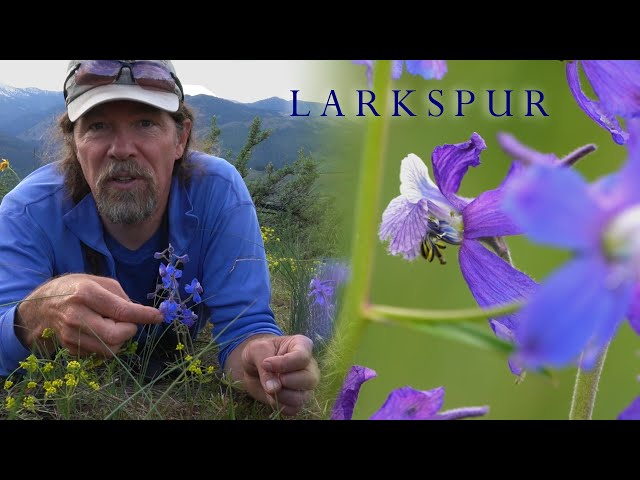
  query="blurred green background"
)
[{"x": 471, "y": 376}]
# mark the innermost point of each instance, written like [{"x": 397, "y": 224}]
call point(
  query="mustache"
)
[{"x": 127, "y": 168}]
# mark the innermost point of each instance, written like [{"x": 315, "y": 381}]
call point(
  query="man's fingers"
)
[
  {"x": 292, "y": 398},
  {"x": 299, "y": 380},
  {"x": 254, "y": 356},
  {"x": 297, "y": 358},
  {"x": 97, "y": 334},
  {"x": 111, "y": 305}
]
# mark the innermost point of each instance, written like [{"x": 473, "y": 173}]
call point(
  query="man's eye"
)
[
  {"x": 96, "y": 126},
  {"x": 146, "y": 123}
]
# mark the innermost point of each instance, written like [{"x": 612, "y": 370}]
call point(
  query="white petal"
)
[{"x": 415, "y": 182}]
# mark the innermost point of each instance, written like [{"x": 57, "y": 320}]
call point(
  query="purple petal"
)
[
  {"x": 427, "y": 69},
  {"x": 346, "y": 401},
  {"x": 406, "y": 403},
  {"x": 553, "y": 206},
  {"x": 524, "y": 154},
  {"x": 624, "y": 191},
  {"x": 492, "y": 282},
  {"x": 576, "y": 307},
  {"x": 634, "y": 310},
  {"x": 369, "y": 65},
  {"x": 592, "y": 108},
  {"x": 404, "y": 224},
  {"x": 617, "y": 85},
  {"x": 632, "y": 412},
  {"x": 451, "y": 162},
  {"x": 396, "y": 69},
  {"x": 464, "y": 412},
  {"x": 486, "y": 217}
]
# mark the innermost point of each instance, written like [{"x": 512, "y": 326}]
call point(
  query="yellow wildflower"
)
[
  {"x": 73, "y": 365},
  {"x": 180, "y": 346},
  {"x": 94, "y": 385},
  {"x": 32, "y": 384},
  {"x": 29, "y": 403},
  {"x": 47, "y": 333},
  {"x": 211, "y": 369},
  {"x": 8, "y": 384},
  {"x": 47, "y": 367},
  {"x": 30, "y": 364},
  {"x": 4, "y": 164},
  {"x": 9, "y": 402}
]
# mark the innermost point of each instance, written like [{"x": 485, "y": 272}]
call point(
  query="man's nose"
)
[{"x": 122, "y": 145}]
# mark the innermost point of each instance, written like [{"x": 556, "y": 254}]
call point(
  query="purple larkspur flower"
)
[
  {"x": 194, "y": 288},
  {"x": 579, "y": 307},
  {"x": 169, "y": 310},
  {"x": 427, "y": 215},
  {"x": 404, "y": 403},
  {"x": 324, "y": 289},
  {"x": 348, "y": 396},
  {"x": 632, "y": 412},
  {"x": 427, "y": 69},
  {"x": 321, "y": 290},
  {"x": 617, "y": 85}
]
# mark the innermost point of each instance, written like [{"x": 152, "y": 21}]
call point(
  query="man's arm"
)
[{"x": 79, "y": 308}]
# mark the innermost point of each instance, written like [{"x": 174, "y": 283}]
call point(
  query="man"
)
[{"x": 127, "y": 187}]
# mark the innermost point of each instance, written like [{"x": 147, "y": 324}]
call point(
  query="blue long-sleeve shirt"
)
[{"x": 211, "y": 218}]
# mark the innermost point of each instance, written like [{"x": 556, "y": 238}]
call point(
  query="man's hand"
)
[
  {"x": 279, "y": 371},
  {"x": 89, "y": 314}
]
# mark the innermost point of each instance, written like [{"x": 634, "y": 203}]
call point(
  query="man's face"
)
[{"x": 127, "y": 151}]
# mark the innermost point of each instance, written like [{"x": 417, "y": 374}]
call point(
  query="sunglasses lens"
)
[
  {"x": 97, "y": 72},
  {"x": 148, "y": 74}
]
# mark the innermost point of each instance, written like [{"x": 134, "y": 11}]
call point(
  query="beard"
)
[{"x": 130, "y": 206}]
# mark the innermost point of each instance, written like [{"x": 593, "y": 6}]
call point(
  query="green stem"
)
[
  {"x": 351, "y": 322},
  {"x": 378, "y": 313},
  {"x": 15, "y": 174},
  {"x": 586, "y": 389}
]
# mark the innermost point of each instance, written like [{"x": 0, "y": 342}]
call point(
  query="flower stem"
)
[
  {"x": 381, "y": 312},
  {"x": 15, "y": 174},
  {"x": 586, "y": 389},
  {"x": 351, "y": 322}
]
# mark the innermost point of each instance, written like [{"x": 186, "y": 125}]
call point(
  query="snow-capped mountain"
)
[
  {"x": 14, "y": 92},
  {"x": 193, "y": 90}
]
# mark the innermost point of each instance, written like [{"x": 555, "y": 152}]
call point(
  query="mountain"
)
[
  {"x": 28, "y": 117},
  {"x": 21, "y": 108},
  {"x": 278, "y": 104}
]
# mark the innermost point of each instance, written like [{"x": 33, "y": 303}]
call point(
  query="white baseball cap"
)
[{"x": 92, "y": 82}]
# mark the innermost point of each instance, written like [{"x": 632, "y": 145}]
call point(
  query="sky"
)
[{"x": 240, "y": 80}]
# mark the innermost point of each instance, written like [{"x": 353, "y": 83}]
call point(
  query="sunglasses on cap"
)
[{"x": 145, "y": 73}]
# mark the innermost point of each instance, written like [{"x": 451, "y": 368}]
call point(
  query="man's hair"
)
[{"x": 76, "y": 185}]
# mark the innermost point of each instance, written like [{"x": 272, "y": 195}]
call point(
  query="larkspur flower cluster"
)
[
  {"x": 404, "y": 403},
  {"x": 172, "y": 305},
  {"x": 427, "y": 69},
  {"x": 323, "y": 293}
]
